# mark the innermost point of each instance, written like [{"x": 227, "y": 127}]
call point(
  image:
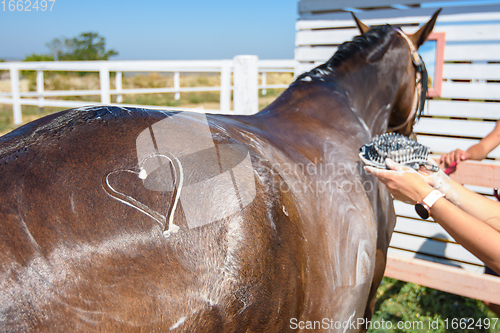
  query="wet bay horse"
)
[{"x": 100, "y": 207}]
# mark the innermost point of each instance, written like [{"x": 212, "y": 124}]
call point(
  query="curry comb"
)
[{"x": 398, "y": 148}]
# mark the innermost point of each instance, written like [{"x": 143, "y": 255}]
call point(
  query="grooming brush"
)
[{"x": 398, "y": 148}]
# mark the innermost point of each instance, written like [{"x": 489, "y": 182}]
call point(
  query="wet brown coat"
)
[{"x": 74, "y": 259}]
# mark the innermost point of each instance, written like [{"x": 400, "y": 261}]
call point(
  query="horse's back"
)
[{"x": 77, "y": 257}]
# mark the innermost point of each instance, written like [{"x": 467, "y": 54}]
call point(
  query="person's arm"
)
[
  {"x": 473, "y": 233},
  {"x": 475, "y": 204},
  {"x": 476, "y": 152}
]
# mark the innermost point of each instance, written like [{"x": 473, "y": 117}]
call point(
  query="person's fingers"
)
[
  {"x": 368, "y": 169},
  {"x": 394, "y": 166},
  {"x": 432, "y": 161},
  {"x": 379, "y": 173},
  {"x": 449, "y": 158},
  {"x": 458, "y": 155},
  {"x": 445, "y": 158},
  {"x": 397, "y": 166},
  {"x": 424, "y": 172},
  {"x": 372, "y": 170},
  {"x": 464, "y": 156}
]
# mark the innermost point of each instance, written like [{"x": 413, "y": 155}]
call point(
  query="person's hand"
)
[
  {"x": 432, "y": 178},
  {"x": 456, "y": 156},
  {"x": 404, "y": 183}
]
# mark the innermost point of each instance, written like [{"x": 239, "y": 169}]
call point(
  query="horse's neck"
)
[
  {"x": 315, "y": 101},
  {"x": 370, "y": 97},
  {"x": 356, "y": 88}
]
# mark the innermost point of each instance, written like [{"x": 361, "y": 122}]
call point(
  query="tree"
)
[{"x": 87, "y": 46}]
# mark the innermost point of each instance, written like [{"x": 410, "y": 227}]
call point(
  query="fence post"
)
[
  {"x": 39, "y": 87},
  {"x": 118, "y": 84},
  {"x": 104, "y": 78},
  {"x": 177, "y": 85},
  {"x": 297, "y": 70},
  {"x": 246, "y": 84},
  {"x": 264, "y": 83},
  {"x": 225, "y": 88},
  {"x": 16, "y": 95}
]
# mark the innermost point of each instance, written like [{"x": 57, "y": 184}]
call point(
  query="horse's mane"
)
[{"x": 381, "y": 37}]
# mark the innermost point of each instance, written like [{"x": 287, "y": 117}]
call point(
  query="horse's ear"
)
[
  {"x": 419, "y": 37},
  {"x": 361, "y": 26}
]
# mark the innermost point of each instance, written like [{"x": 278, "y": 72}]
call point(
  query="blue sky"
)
[
  {"x": 154, "y": 29},
  {"x": 195, "y": 29}
]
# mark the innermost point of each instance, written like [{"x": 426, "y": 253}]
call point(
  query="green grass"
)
[
  {"x": 408, "y": 302},
  {"x": 149, "y": 99},
  {"x": 6, "y": 119},
  {"x": 29, "y": 113}
]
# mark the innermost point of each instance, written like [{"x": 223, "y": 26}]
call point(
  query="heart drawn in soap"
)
[{"x": 143, "y": 208}]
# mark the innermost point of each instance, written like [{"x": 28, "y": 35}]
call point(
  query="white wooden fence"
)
[
  {"x": 466, "y": 112},
  {"x": 242, "y": 70}
]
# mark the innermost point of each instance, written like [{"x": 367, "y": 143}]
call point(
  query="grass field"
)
[
  {"x": 396, "y": 300},
  {"x": 399, "y": 301}
]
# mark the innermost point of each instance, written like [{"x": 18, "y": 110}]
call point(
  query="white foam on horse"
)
[
  {"x": 178, "y": 323},
  {"x": 143, "y": 174},
  {"x": 284, "y": 210},
  {"x": 363, "y": 262}
]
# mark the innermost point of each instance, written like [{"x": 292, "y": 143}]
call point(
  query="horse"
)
[{"x": 126, "y": 219}]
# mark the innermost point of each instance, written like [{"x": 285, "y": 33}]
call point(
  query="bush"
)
[{"x": 86, "y": 46}]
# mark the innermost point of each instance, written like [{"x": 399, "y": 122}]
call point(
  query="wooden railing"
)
[{"x": 242, "y": 70}]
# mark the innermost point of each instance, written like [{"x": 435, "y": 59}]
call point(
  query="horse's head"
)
[{"x": 410, "y": 98}]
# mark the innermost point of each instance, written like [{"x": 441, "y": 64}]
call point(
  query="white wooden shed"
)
[{"x": 466, "y": 111}]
